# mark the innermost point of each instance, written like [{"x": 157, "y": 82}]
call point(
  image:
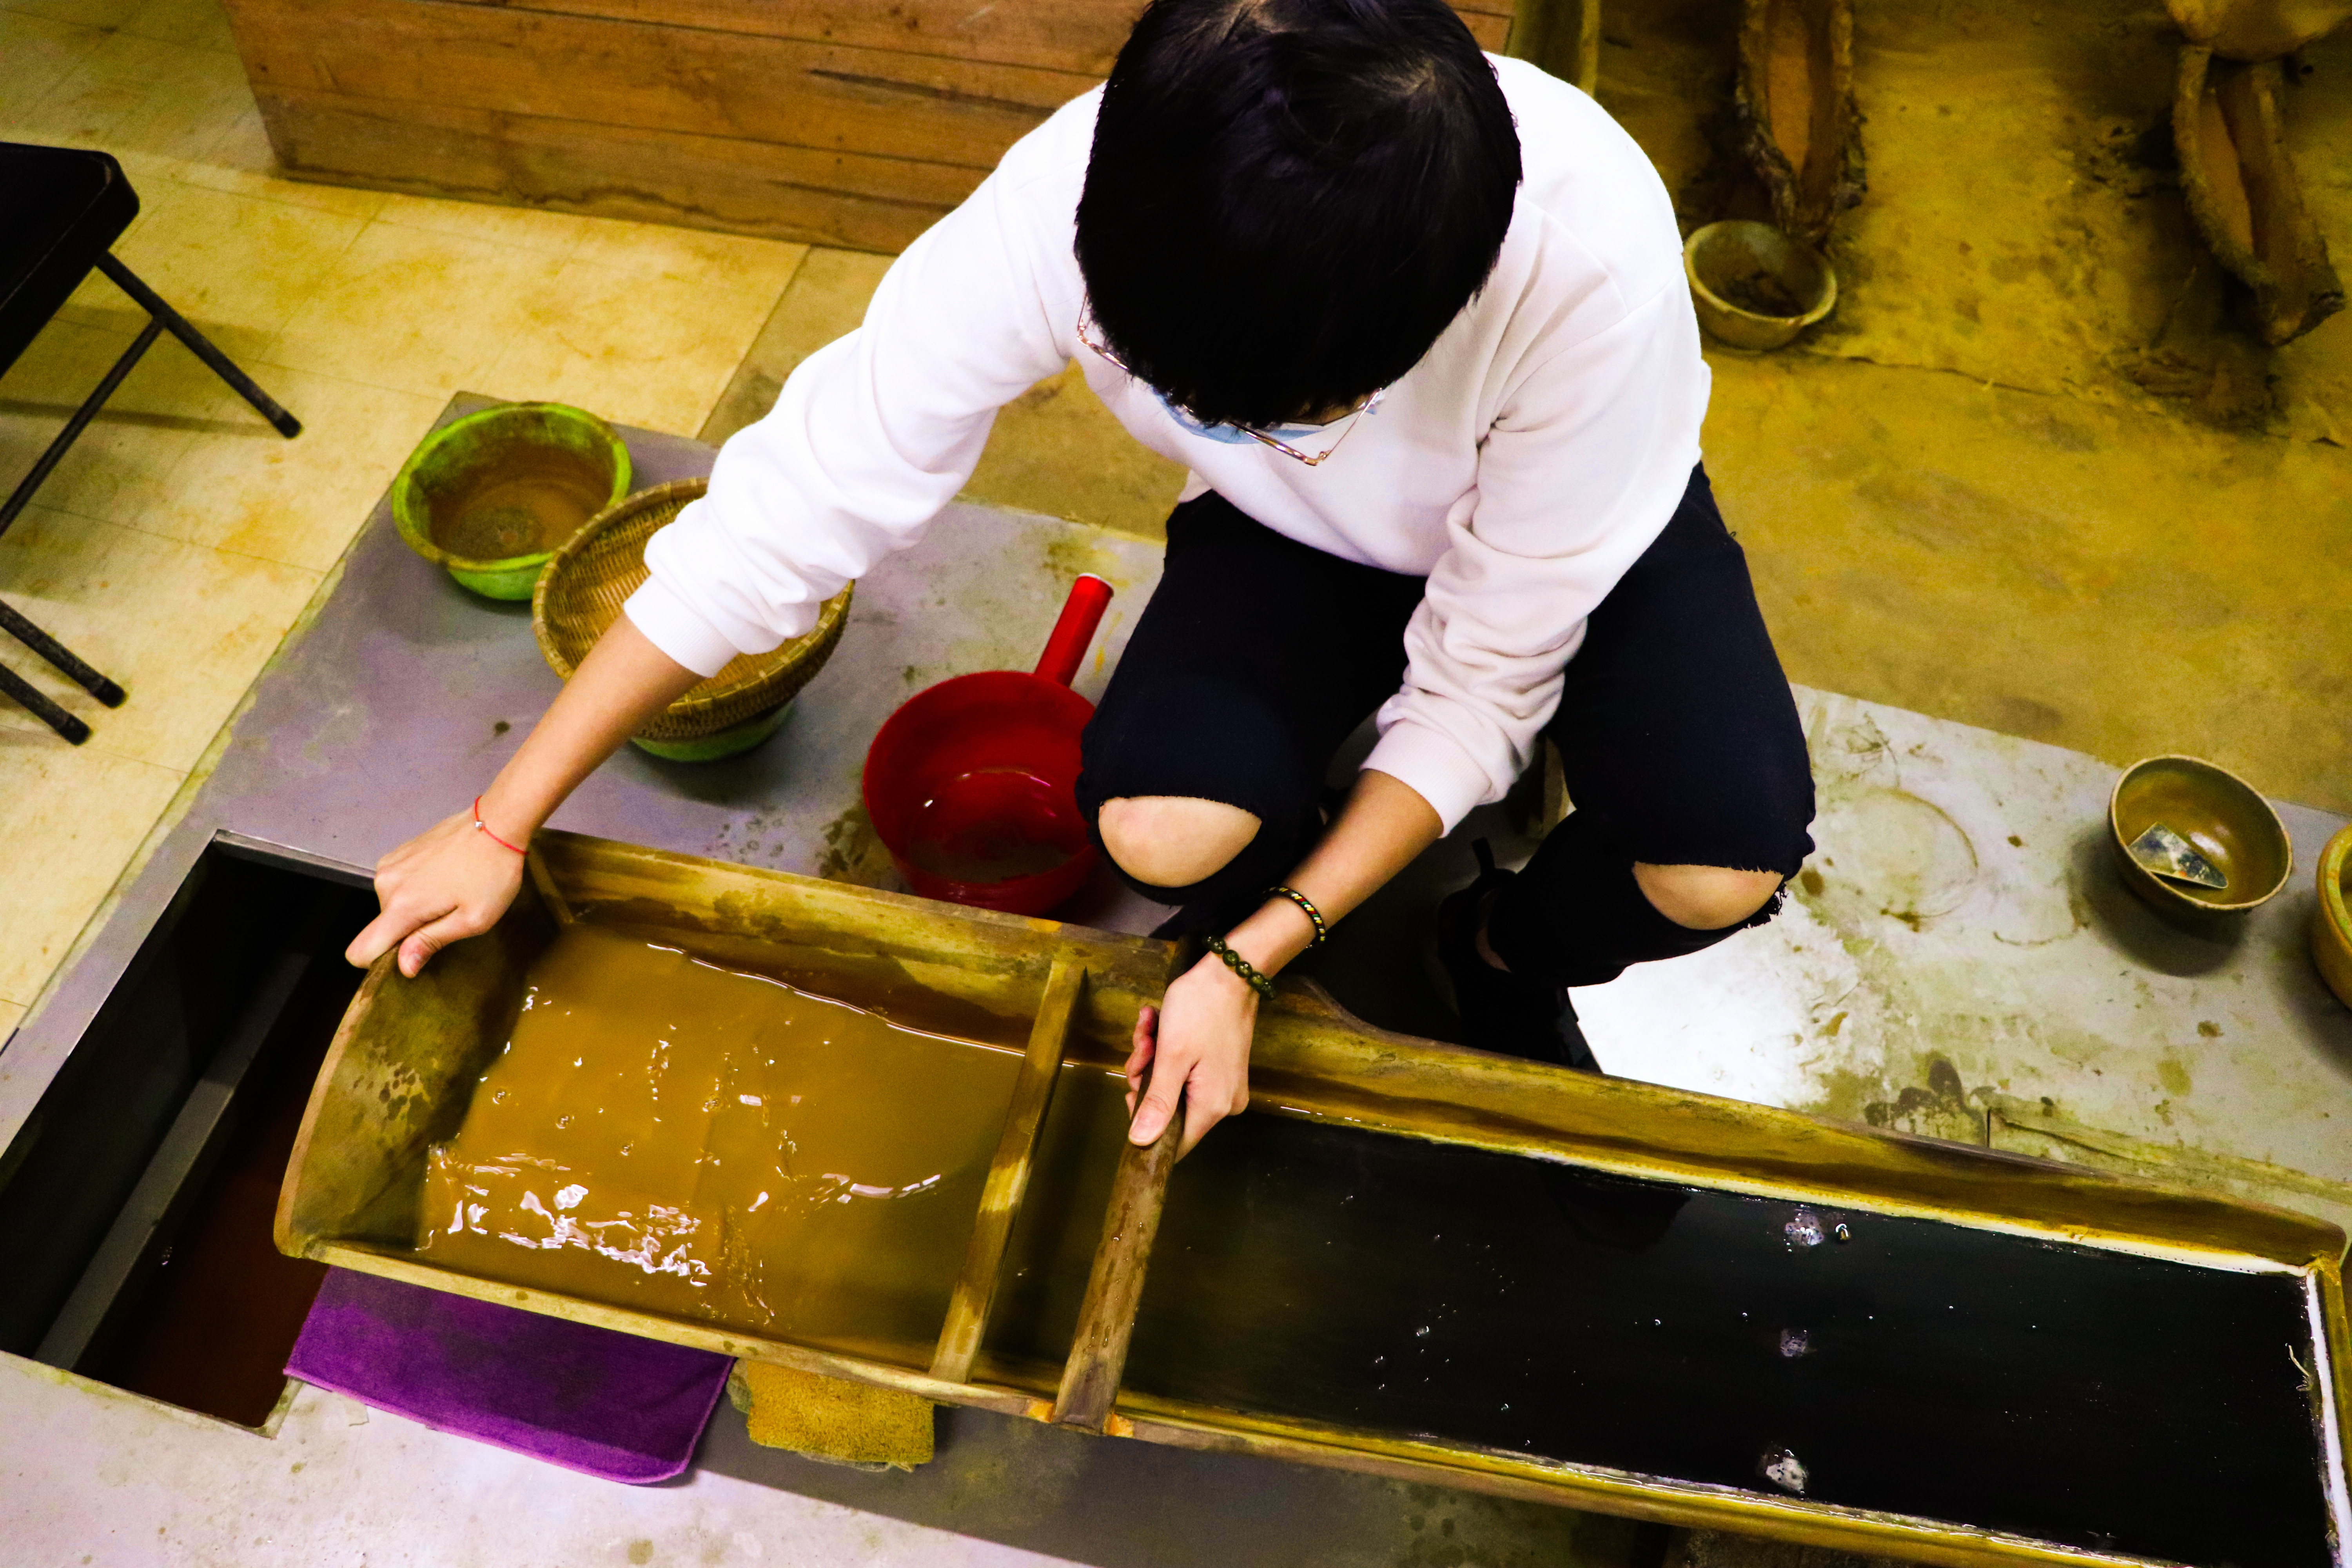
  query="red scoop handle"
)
[{"x": 1089, "y": 597}]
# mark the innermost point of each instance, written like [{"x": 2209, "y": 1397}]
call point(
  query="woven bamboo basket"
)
[{"x": 595, "y": 572}]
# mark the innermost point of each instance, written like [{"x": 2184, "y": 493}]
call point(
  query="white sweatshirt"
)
[{"x": 1522, "y": 466}]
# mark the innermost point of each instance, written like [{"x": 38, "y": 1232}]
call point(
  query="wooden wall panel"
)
[
  {"x": 651, "y": 176},
  {"x": 852, "y": 122},
  {"x": 1081, "y": 36},
  {"x": 650, "y": 78}
]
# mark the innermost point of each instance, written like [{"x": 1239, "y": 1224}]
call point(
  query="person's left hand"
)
[{"x": 1200, "y": 1039}]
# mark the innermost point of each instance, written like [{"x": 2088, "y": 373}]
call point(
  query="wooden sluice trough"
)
[{"x": 1461, "y": 1269}]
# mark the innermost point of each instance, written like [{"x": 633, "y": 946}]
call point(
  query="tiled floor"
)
[
  {"x": 181, "y": 538},
  {"x": 1971, "y": 493}
]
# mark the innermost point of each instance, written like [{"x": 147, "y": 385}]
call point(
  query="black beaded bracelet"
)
[
  {"x": 1306, "y": 907},
  {"x": 1261, "y": 984}
]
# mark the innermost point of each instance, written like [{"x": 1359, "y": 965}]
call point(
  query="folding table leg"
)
[
  {"x": 50, "y": 714},
  {"x": 74, "y": 427},
  {"x": 162, "y": 319},
  {"x": 200, "y": 346},
  {"x": 60, "y": 657}
]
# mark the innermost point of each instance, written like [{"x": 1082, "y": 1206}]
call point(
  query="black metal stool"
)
[{"x": 60, "y": 208}]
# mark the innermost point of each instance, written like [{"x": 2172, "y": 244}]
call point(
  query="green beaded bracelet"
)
[{"x": 1261, "y": 984}]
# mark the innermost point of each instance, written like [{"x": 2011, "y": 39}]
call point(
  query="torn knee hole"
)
[
  {"x": 1173, "y": 841},
  {"x": 1705, "y": 898}
]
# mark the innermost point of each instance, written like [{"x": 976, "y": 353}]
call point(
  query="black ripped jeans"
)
[{"x": 1258, "y": 656}]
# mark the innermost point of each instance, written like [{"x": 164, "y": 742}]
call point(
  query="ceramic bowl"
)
[
  {"x": 1754, "y": 287},
  {"x": 2225, "y": 818}
]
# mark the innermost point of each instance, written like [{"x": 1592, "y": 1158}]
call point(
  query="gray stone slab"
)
[
  {"x": 1964, "y": 909},
  {"x": 403, "y": 694}
]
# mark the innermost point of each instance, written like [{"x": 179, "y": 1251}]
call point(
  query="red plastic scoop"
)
[{"x": 971, "y": 785}]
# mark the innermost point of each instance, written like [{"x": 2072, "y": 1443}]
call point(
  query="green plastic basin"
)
[{"x": 492, "y": 496}]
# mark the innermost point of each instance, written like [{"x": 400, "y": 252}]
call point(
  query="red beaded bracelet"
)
[{"x": 483, "y": 828}]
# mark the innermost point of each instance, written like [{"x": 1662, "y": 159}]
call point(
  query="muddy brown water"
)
[
  {"x": 525, "y": 500},
  {"x": 665, "y": 1133}
]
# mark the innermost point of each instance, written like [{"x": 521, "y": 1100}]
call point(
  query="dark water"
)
[
  {"x": 2065, "y": 1394},
  {"x": 221, "y": 1306}
]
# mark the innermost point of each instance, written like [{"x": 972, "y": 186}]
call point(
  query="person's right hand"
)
[{"x": 448, "y": 883}]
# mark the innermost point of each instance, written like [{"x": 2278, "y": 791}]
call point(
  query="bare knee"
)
[
  {"x": 1173, "y": 841},
  {"x": 1705, "y": 898}
]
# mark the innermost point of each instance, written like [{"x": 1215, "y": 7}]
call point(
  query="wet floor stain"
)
[
  {"x": 1960, "y": 940},
  {"x": 853, "y": 853}
]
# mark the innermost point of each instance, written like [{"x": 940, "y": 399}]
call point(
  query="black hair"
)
[{"x": 1288, "y": 200}]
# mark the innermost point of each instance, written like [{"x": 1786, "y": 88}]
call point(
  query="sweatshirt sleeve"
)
[
  {"x": 871, "y": 435},
  {"x": 1586, "y": 462}
]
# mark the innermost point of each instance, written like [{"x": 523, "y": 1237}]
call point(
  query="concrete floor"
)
[
  {"x": 181, "y": 537},
  {"x": 2026, "y": 479},
  {"x": 99, "y": 1478},
  {"x": 2027, "y": 434},
  {"x": 2027, "y": 476}
]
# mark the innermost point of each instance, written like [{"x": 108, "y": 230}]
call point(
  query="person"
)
[{"x": 1414, "y": 320}]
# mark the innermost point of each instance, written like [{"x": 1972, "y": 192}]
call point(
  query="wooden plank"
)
[
  {"x": 1008, "y": 1176},
  {"x": 974, "y": 953},
  {"x": 1491, "y": 28},
  {"x": 1081, "y": 35},
  {"x": 737, "y": 187},
  {"x": 542, "y": 883},
  {"x": 1630, "y": 1495},
  {"x": 701, "y": 112},
  {"x": 650, "y": 78},
  {"x": 1138, "y": 1192},
  {"x": 1309, "y": 1054},
  {"x": 2331, "y": 1386}
]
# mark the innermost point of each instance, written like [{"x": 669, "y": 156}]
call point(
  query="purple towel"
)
[{"x": 591, "y": 1399}]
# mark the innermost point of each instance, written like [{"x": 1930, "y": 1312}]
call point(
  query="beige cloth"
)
[{"x": 829, "y": 1417}]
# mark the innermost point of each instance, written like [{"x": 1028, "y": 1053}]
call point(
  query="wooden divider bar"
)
[
  {"x": 1139, "y": 1191},
  {"x": 542, "y": 880},
  {"x": 1008, "y": 1176}
]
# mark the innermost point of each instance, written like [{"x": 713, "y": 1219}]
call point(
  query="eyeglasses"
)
[{"x": 1310, "y": 459}]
